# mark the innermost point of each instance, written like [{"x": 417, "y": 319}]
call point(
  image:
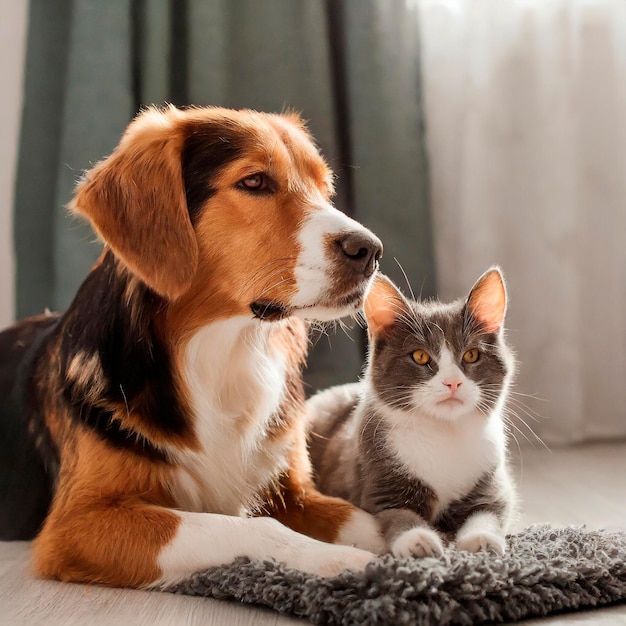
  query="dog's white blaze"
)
[
  {"x": 314, "y": 270},
  {"x": 236, "y": 381},
  {"x": 206, "y": 540}
]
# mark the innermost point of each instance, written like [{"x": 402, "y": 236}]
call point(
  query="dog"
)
[{"x": 156, "y": 427}]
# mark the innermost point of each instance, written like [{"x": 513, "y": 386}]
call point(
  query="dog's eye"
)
[{"x": 256, "y": 182}]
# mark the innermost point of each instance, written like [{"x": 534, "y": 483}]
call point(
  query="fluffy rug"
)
[{"x": 546, "y": 570}]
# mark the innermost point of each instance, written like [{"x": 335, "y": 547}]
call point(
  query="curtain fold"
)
[
  {"x": 97, "y": 106},
  {"x": 91, "y": 65},
  {"x": 390, "y": 173},
  {"x": 39, "y": 150}
]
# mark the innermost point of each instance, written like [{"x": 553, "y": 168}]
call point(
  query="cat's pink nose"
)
[{"x": 453, "y": 384}]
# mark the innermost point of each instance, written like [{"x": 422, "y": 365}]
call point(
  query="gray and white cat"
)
[{"x": 420, "y": 442}]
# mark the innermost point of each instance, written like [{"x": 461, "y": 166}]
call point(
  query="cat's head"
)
[{"x": 444, "y": 361}]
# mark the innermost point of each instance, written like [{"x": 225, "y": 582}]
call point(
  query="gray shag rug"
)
[{"x": 546, "y": 570}]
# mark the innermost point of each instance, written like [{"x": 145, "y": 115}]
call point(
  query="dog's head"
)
[{"x": 227, "y": 213}]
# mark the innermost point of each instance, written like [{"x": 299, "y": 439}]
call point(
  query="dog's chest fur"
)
[{"x": 236, "y": 380}]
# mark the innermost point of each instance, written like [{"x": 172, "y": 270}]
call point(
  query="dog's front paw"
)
[
  {"x": 482, "y": 541},
  {"x": 363, "y": 531},
  {"x": 419, "y": 542},
  {"x": 303, "y": 553},
  {"x": 331, "y": 559}
]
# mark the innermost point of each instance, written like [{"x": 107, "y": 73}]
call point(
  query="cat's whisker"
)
[
  {"x": 437, "y": 327},
  {"x": 510, "y": 413},
  {"x": 527, "y": 407},
  {"x": 517, "y": 393},
  {"x": 518, "y": 430},
  {"x": 405, "y": 316},
  {"x": 488, "y": 405},
  {"x": 402, "y": 387},
  {"x": 536, "y": 417},
  {"x": 408, "y": 284},
  {"x": 534, "y": 396},
  {"x": 411, "y": 325},
  {"x": 510, "y": 427},
  {"x": 510, "y": 430},
  {"x": 393, "y": 399},
  {"x": 518, "y": 404}
]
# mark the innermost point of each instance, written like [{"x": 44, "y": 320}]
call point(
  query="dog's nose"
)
[{"x": 361, "y": 250}]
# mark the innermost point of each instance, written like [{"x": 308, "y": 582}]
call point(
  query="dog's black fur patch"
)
[
  {"x": 208, "y": 148},
  {"x": 28, "y": 459},
  {"x": 135, "y": 365}
]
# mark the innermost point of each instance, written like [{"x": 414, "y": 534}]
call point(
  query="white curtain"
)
[
  {"x": 13, "y": 25},
  {"x": 525, "y": 104}
]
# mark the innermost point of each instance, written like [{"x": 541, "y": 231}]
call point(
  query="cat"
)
[{"x": 420, "y": 441}]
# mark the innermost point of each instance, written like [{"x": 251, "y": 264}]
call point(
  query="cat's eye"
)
[
  {"x": 421, "y": 357},
  {"x": 471, "y": 356}
]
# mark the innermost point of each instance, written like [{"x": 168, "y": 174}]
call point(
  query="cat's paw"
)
[
  {"x": 363, "y": 531},
  {"x": 482, "y": 541},
  {"x": 418, "y": 542}
]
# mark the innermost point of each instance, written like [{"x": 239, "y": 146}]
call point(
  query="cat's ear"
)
[
  {"x": 383, "y": 305},
  {"x": 486, "y": 303}
]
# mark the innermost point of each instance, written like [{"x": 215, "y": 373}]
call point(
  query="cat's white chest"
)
[
  {"x": 236, "y": 389},
  {"x": 449, "y": 457}
]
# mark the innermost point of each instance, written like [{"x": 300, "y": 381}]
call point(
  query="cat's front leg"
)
[
  {"x": 408, "y": 535},
  {"x": 482, "y": 531}
]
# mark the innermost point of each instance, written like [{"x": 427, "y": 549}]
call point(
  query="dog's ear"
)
[{"x": 136, "y": 201}]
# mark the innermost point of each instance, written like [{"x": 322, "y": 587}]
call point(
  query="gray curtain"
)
[{"x": 351, "y": 67}]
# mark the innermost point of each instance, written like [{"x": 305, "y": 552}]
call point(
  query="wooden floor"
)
[{"x": 580, "y": 485}]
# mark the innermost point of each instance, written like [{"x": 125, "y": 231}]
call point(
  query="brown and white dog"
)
[{"x": 155, "y": 428}]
